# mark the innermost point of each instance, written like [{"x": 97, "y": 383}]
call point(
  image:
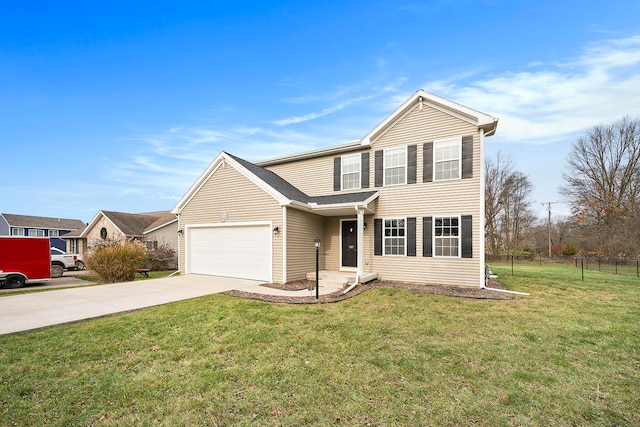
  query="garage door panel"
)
[{"x": 231, "y": 251}]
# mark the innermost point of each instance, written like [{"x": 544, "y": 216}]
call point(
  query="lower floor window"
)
[
  {"x": 394, "y": 236},
  {"x": 447, "y": 236}
]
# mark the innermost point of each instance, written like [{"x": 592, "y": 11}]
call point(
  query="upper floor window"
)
[
  {"x": 35, "y": 232},
  {"x": 350, "y": 171},
  {"x": 54, "y": 233},
  {"x": 394, "y": 233},
  {"x": 17, "y": 231},
  {"x": 446, "y": 232},
  {"x": 395, "y": 166},
  {"x": 446, "y": 159}
]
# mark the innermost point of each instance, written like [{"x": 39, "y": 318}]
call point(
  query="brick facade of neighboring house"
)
[
  {"x": 37, "y": 226},
  {"x": 405, "y": 202}
]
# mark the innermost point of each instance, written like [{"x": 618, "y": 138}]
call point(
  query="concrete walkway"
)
[{"x": 37, "y": 310}]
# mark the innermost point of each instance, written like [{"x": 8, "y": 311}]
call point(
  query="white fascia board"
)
[
  {"x": 336, "y": 149},
  {"x": 94, "y": 222},
  {"x": 160, "y": 226},
  {"x": 476, "y": 118},
  {"x": 195, "y": 187},
  {"x": 90, "y": 225},
  {"x": 220, "y": 161},
  {"x": 257, "y": 181}
]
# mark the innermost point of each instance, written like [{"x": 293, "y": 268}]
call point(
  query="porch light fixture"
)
[
  {"x": 180, "y": 231},
  {"x": 276, "y": 230},
  {"x": 316, "y": 242}
]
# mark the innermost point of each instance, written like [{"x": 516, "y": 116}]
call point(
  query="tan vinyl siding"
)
[
  {"x": 444, "y": 198},
  {"x": 312, "y": 176},
  {"x": 434, "y": 199},
  {"x": 230, "y": 192},
  {"x": 302, "y": 229}
]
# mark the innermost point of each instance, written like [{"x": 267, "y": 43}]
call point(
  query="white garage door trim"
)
[{"x": 242, "y": 250}]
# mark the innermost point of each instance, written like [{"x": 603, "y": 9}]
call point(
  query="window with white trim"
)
[
  {"x": 447, "y": 156},
  {"x": 446, "y": 233},
  {"x": 394, "y": 236},
  {"x": 36, "y": 232},
  {"x": 17, "y": 231},
  {"x": 350, "y": 171},
  {"x": 395, "y": 166},
  {"x": 54, "y": 233}
]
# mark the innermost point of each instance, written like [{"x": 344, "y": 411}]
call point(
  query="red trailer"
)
[{"x": 24, "y": 259}]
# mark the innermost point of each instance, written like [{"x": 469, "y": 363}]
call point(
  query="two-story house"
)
[
  {"x": 39, "y": 226},
  {"x": 405, "y": 202}
]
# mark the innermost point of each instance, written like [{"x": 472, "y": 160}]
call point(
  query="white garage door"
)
[{"x": 242, "y": 251}]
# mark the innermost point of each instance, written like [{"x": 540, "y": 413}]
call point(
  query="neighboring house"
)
[
  {"x": 39, "y": 226},
  {"x": 406, "y": 203},
  {"x": 152, "y": 228}
]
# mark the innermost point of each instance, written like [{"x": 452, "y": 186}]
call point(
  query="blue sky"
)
[{"x": 121, "y": 105}]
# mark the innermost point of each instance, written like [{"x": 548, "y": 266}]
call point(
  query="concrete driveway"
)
[{"x": 38, "y": 310}]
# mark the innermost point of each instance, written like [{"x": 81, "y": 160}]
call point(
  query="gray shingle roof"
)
[
  {"x": 273, "y": 180},
  {"x": 292, "y": 193},
  {"x": 135, "y": 225},
  {"x": 43, "y": 222}
]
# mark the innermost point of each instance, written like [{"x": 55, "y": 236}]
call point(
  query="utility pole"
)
[{"x": 549, "y": 222}]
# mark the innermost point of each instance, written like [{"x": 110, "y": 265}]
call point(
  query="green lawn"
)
[{"x": 569, "y": 354}]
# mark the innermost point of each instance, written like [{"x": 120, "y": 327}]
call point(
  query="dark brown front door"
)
[{"x": 349, "y": 244}]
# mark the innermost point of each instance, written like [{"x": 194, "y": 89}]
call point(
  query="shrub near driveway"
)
[
  {"x": 566, "y": 355},
  {"x": 117, "y": 261}
]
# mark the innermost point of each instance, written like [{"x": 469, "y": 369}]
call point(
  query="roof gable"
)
[
  {"x": 280, "y": 189},
  {"x": 422, "y": 99}
]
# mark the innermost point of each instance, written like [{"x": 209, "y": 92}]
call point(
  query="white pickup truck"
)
[{"x": 61, "y": 260}]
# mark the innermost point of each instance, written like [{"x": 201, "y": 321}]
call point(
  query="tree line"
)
[{"x": 601, "y": 184}]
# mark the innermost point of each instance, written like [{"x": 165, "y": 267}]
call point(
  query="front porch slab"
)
[{"x": 340, "y": 279}]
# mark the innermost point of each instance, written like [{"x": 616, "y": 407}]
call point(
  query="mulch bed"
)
[{"x": 454, "y": 291}]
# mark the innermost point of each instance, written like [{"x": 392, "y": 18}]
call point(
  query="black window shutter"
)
[
  {"x": 411, "y": 237},
  {"x": 427, "y": 162},
  {"x": 467, "y": 157},
  {"x": 337, "y": 173},
  {"x": 427, "y": 236},
  {"x": 467, "y": 234},
  {"x": 364, "y": 171},
  {"x": 377, "y": 232},
  {"x": 412, "y": 163},
  {"x": 379, "y": 168}
]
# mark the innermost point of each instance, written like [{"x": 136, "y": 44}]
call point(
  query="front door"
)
[{"x": 349, "y": 244}]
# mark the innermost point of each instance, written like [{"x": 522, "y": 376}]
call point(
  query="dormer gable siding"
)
[{"x": 320, "y": 175}]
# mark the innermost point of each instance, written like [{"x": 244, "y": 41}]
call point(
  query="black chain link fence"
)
[{"x": 619, "y": 266}]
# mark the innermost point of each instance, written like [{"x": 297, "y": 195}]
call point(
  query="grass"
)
[{"x": 569, "y": 354}]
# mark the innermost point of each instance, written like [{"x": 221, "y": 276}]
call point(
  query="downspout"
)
[
  {"x": 360, "y": 260},
  {"x": 483, "y": 274},
  {"x": 353, "y": 285},
  {"x": 284, "y": 244},
  {"x": 482, "y": 211},
  {"x": 180, "y": 235}
]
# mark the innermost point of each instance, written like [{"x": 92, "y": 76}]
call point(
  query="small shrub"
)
[
  {"x": 116, "y": 261},
  {"x": 569, "y": 249},
  {"x": 161, "y": 258}
]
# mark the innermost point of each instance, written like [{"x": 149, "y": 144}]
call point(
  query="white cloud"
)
[{"x": 601, "y": 85}]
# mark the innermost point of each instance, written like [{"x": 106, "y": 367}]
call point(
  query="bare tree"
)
[
  {"x": 507, "y": 205},
  {"x": 602, "y": 183}
]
